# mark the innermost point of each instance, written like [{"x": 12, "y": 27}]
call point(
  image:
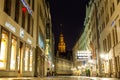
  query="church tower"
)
[{"x": 61, "y": 44}]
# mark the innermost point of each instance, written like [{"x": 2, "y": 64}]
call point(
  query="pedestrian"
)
[
  {"x": 86, "y": 71},
  {"x": 89, "y": 72}
]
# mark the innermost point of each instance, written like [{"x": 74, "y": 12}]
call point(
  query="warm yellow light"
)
[
  {"x": 90, "y": 61},
  {"x": 106, "y": 57},
  {"x": 2, "y": 65},
  {"x": 13, "y": 54},
  {"x": 102, "y": 56},
  {"x": 3, "y": 52},
  {"x": 31, "y": 59},
  {"x": 12, "y": 65},
  {"x": 26, "y": 59},
  {"x": 3, "y": 36}
]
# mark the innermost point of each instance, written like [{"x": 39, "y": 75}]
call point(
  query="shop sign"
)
[
  {"x": 27, "y": 6},
  {"x": 29, "y": 41},
  {"x": 22, "y": 33},
  {"x": 83, "y": 55},
  {"x": 10, "y": 26}
]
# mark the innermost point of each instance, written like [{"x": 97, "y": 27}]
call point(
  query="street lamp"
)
[{"x": 104, "y": 56}]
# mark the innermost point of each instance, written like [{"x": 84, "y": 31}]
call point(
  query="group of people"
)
[{"x": 49, "y": 72}]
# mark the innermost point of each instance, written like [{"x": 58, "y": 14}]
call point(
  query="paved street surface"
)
[{"x": 60, "y": 78}]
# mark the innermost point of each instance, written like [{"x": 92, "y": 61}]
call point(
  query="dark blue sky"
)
[{"x": 71, "y": 14}]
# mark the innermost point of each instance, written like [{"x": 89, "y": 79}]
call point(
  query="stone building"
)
[
  {"x": 22, "y": 37},
  {"x": 102, "y": 29}
]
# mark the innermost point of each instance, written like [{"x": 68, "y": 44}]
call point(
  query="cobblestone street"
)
[{"x": 59, "y": 78}]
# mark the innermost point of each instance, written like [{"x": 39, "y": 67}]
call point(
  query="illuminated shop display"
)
[
  {"x": 18, "y": 58},
  {"x": 26, "y": 58},
  {"x": 31, "y": 55},
  {"x": 13, "y": 54},
  {"x": 3, "y": 51}
]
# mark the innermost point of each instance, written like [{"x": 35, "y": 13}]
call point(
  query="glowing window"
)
[
  {"x": 26, "y": 58},
  {"x": 30, "y": 65},
  {"x": 3, "y": 51},
  {"x": 13, "y": 54}
]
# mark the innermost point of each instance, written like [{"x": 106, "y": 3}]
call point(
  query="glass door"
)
[{"x": 20, "y": 57}]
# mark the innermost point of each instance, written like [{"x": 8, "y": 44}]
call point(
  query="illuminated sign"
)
[
  {"x": 27, "y": 6},
  {"x": 10, "y": 26},
  {"x": 21, "y": 33},
  {"x": 83, "y": 55}
]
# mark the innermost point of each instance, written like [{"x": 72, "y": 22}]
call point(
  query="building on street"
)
[
  {"x": 17, "y": 37},
  {"x": 62, "y": 64},
  {"x": 101, "y": 37},
  {"x": 23, "y": 37}
]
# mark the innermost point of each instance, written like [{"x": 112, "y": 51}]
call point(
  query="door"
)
[{"x": 20, "y": 58}]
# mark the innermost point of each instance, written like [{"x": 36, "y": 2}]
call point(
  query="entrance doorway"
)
[{"x": 20, "y": 58}]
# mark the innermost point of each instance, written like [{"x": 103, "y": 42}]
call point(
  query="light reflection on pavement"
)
[{"x": 59, "y": 78}]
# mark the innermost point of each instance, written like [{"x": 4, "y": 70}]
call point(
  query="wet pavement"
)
[{"x": 59, "y": 78}]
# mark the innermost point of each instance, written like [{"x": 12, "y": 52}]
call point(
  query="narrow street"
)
[
  {"x": 59, "y": 39},
  {"x": 59, "y": 78}
]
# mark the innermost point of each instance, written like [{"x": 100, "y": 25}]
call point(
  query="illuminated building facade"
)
[
  {"x": 87, "y": 43},
  {"x": 44, "y": 47},
  {"x": 103, "y": 21},
  {"x": 22, "y": 37},
  {"x": 62, "y": 64},
  {"x": 17, "y": 37},
  {"x": 109, "y": 27},
  {"x": 49, "y": 51},
  {"x": 61, "y": 44}
]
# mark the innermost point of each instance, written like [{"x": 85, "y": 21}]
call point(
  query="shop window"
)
[
  {"x": 3, "y": 50},
  {"x": 20, "y": 58},
  {"x": 31, "y": 59},
  {"x": 13, "y": 54},
  {"x": 26, "y": 58}
]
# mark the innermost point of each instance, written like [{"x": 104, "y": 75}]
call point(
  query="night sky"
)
[{"x": 71, "y": 14}]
